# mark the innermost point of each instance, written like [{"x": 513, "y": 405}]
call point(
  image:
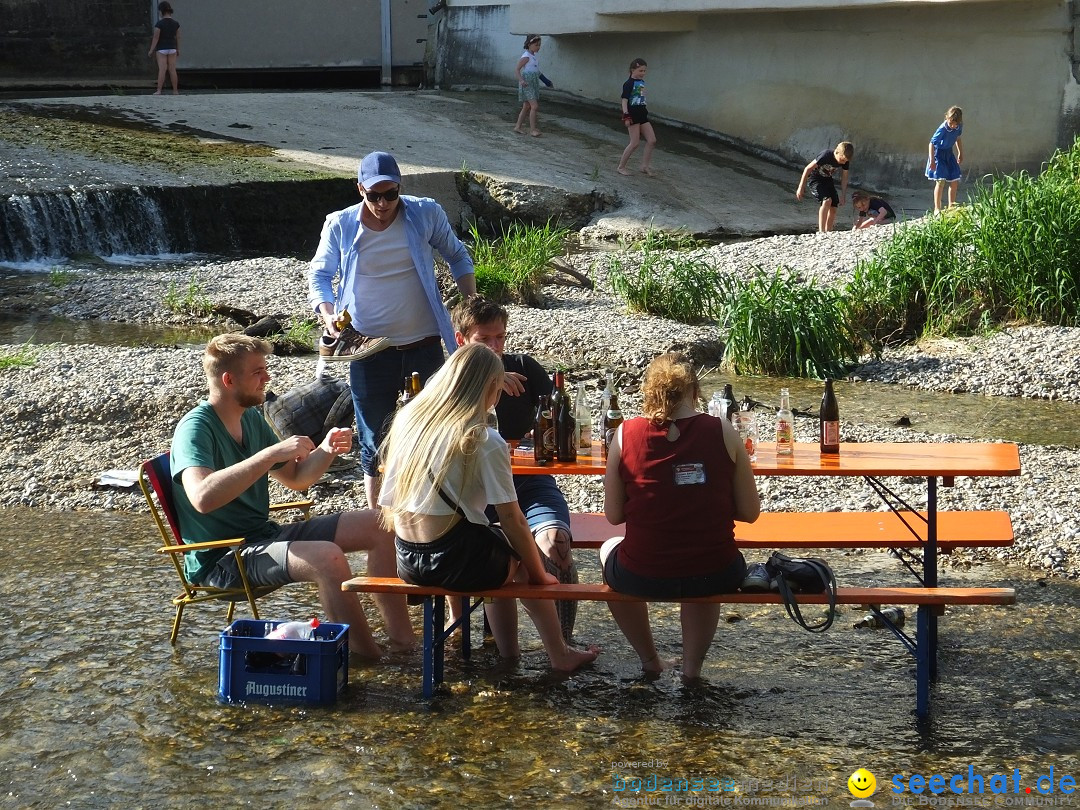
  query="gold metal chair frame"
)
[{"x": 156, "y": 483}]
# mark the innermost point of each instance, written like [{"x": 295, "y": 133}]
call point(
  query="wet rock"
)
[{"x": 496, "y": 203}]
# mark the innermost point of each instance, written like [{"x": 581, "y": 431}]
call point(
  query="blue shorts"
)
[{"x": 542, "y": 503}]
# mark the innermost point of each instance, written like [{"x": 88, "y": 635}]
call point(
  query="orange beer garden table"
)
[{"x": 870, "y": 460}]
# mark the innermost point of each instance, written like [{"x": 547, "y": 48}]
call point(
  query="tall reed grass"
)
[
  {"x": 666, "y": 284},
  {"x": 777, "y": 324},
  {"x": 1012, "y": 253},
  {"x": 511, "y": 267}
]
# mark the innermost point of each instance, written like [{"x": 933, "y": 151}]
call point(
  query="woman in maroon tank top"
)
[{"x": 678, "y": 479}]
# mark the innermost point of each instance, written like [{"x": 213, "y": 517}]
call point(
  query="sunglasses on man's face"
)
[{"x": 389, "y": 196}]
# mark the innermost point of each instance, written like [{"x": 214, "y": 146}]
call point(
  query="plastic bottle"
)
[
  {"x": 584, "y": 420},
  {"x": 874, "y": 622},
  {"x": 785, "y": 426},
  {"x": 302, "y": 631},
  {"x": 716, "y": 406}
]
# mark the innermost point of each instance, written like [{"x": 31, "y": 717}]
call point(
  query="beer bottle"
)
[
  {"x": 342, "y": 319},
  {"x": 612, "y": 420},
  {"x": 733, "y": 406},
  {"x": 874, "y": 622},
  {"x": 406, "y": 393},
  {"x": 414, "y": 383},
  {"x": 829, "y": 421},
  {"x": 565, "y": 427},
  {"x": 544, "y": 432},
  {"x": 785, "y": 426}
]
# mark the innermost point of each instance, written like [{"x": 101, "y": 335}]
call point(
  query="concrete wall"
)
[
  {"x": 73, "y": 38},
  {"x": 793, "y": 81},
  {"x": 83, "y": 39},
  {"x": 281, "y": 34}
]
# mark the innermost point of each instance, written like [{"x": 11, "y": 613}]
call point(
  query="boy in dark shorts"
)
[
  {"x": 869, "y": 211},
  {"x": 635, "y": 117},
  {"x": 818, "y": 176}
]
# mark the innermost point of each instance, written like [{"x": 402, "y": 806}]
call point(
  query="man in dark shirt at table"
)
[{"x": 478, "y": 320}]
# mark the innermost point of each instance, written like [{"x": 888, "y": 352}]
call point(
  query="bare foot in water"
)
[
  {"x": 623, "y": 171},
  {"x": 519, "y": 131},
  {"x": 535, "y": 133},
  {"x": 648, "y": 171},
  {"x": 655, "y": 665},
  {"x": 368, "y": 652},
  {"x": 574, "y": 658}
]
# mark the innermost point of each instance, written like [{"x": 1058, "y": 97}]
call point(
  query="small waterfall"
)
[
  {"x": 274, "y": 218},
  {"x": 105, "y": 222}
]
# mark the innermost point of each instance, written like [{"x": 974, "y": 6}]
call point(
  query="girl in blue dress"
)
[{"x": 946, "y": 155}]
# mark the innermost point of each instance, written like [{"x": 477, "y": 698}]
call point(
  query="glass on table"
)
[{"x": 746, "y": 425}]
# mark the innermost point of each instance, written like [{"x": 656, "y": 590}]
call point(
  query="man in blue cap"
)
[{"x": 381, "y": 253}]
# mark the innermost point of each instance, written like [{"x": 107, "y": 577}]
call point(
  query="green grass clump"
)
[
  {"x": 60, "y": 276},
  {"x": 191, "y": 300},
  {"x": 299, "y": 336},
  {"x": 779, "y": 325},
  {"x": 511, "y": 267},
  {"x": 22, "y": 356},
  {"x": 657, "y": 240},
  {"x": 1011, "y": 254},
  {"x": 666, "y": 284}
]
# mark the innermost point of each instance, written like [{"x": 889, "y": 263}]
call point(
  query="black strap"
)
[
  {"x": 455, "y": 506},
  {"x": 791, "y": 604}
]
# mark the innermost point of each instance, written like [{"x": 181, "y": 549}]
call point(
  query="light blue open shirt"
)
[{"x": 427, "y": 228}]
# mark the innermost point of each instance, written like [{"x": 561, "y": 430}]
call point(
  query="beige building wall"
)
[
  {"x": 285, "y": 35},
  {"x": 792, "y": 77}
]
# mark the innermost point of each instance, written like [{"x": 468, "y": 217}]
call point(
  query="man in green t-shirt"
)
[{"x": 223, "y": 453}]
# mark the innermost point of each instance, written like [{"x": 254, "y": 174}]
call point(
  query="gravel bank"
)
[{"x": 83, "y": 409}]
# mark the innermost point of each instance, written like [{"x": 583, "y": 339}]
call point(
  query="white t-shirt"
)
[
  {"x": 490, "y": 481},
  {"x": 388, "y": 284},
  {"x": 533, "y": 65}
]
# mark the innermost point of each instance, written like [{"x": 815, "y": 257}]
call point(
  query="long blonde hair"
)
[
  {"x": 445, "y": 421},
  {"x": 668, "y": 379}
]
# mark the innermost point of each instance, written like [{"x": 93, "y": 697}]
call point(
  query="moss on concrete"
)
[{"x": 102, "y": 134}]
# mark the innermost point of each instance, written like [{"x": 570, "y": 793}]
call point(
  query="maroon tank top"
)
[{"x": 679, "y": 499}]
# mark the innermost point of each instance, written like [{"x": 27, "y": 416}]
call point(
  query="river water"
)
[{"x": 97, "y": 709}]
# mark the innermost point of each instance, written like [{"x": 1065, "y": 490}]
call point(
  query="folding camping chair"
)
[{"x": 155, "y": 478}]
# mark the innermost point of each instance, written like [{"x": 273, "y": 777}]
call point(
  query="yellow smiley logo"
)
[{"x": 862, "y": 783}]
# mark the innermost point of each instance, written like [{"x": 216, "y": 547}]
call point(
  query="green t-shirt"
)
[{"x": 202, "y": 440}]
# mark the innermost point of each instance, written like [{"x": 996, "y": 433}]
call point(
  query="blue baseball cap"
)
[{"x": 378, "y": 167}]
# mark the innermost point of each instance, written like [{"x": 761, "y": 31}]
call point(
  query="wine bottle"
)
[{"x": 829, "y": 421}]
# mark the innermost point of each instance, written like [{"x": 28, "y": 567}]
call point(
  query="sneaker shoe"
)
[
  {"x": 757, "y": 579},
  {"x": 349, "y": 345}
]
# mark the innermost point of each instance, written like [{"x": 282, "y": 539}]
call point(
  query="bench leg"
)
[
  {"x": 434, "y": 638},
  {"x": 466, "y": 627},
  {"x": 923, "y": 668}
]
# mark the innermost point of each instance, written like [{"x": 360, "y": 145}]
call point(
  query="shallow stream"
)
[{"x": 98, "y": 710}]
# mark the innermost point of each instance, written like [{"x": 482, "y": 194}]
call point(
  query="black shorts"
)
[
  {"x": 823, "y": 188},
  {"x": 639, "y": 114},
  {"x": 726, "y": 581},
  {"x": 468, "y": 558}
]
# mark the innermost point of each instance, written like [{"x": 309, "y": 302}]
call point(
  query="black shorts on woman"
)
[
  {"x": 621, "y": 579},
  {"x": 468, "y": 558}
]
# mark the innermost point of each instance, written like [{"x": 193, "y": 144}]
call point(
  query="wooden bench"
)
[
  {"x": 779, "y": 530},
  {"x": 930, "y": 601}
]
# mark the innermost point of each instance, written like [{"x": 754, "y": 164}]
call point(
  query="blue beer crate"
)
[{"x": 253, "y": 668}]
